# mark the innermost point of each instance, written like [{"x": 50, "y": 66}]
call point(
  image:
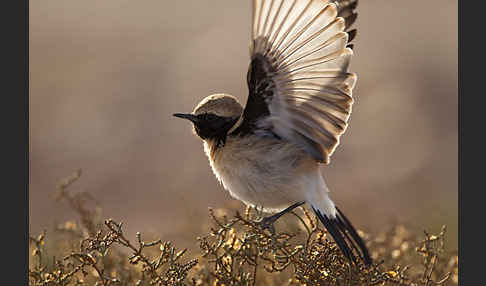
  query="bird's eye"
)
[{"x": 210, "y": 117}]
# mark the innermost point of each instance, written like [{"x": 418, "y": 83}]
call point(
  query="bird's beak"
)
[{"x": 188, "y": 116}]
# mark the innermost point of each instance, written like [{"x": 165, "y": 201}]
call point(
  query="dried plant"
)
[
  {"x": 100, "y": 259},
  {"x": 237, "y": 251}
]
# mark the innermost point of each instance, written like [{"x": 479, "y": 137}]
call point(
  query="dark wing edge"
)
[
  {"x": 347, "y": 11},
  {"x": 298, "y": 80}
]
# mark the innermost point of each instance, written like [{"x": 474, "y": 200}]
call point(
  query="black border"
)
[
  {"x": 15, "y": 141},
  {"x": 471, "y": 150},
  {"x": 24, "y": 72}
]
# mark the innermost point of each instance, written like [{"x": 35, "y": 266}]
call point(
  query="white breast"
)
[{"x": 264, "y": 172}]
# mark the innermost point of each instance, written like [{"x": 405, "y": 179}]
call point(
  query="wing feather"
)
[{"x": 300, "y": 88}]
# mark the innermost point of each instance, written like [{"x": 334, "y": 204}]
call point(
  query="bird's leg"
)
[{"x": 267, "y": 222}]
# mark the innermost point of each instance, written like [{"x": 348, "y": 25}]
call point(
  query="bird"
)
[{"x": 268, "y": 154}]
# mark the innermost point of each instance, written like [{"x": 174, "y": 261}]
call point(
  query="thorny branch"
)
[{"x": 236, "y": 251}]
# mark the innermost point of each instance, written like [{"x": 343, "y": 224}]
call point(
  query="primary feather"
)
[{"x": 300, "y": 88}]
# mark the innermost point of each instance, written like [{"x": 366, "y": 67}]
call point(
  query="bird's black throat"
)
[{"x": 209, "y": 126}]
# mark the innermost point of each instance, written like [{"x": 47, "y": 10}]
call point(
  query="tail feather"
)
[
  {"x": 331, "y": 226},
  {"x": 355, "y": 235},
  {"x": 339, "y": 227}
]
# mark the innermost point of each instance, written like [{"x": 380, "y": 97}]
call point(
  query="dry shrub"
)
[{"x": 237, "y": 251}]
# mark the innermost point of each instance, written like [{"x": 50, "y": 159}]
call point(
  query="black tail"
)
[{"x": 337, "y": 227}]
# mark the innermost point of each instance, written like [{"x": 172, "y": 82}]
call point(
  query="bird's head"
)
[{"x": 214, "y": 116}]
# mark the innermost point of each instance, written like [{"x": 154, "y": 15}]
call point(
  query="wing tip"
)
[{"x": 352, "y": 35}]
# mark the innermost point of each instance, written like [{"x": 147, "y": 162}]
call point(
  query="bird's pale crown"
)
[{"x": 223, "y": 105}]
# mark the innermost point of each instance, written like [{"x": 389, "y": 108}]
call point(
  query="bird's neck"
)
[{"x": 211, "y": 146}]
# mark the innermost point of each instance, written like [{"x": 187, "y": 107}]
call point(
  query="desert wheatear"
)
[{"x": 300, "y": 96}]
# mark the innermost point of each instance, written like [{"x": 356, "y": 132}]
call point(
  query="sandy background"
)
[{"x": 105, "y": 77}]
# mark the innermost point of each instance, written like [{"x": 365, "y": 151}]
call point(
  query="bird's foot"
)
[{"x": 268, "y": 222}]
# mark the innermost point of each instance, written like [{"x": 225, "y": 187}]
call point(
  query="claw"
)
[{"x": 267, "y": 222}]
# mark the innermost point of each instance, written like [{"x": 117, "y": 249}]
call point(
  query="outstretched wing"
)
[{"x": 299, "y": 85}]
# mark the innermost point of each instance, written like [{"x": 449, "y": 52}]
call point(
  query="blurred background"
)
[{"x": 106, "y": 76}]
